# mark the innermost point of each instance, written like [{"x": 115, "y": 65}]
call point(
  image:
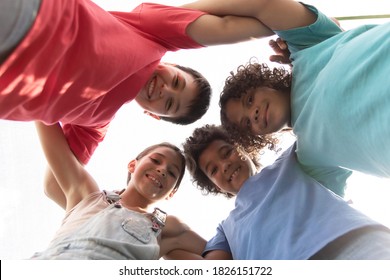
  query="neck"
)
[{"x": 133, "y": 201}]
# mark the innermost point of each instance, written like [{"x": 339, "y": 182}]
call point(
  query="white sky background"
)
[{"x": 28, "y": 220}]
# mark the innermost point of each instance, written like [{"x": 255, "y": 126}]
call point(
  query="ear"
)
[
  {"x": 171, "y": 194},
  {"x": 131, "y": 166},
  {"x": 152, "y": 115}
]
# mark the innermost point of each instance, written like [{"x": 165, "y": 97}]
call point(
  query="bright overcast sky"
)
[{"x": 29, "y": 219}]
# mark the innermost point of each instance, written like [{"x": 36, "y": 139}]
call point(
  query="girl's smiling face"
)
[
  {"x": 261, "y": 111},
  {"x": 225, "y": 167},
  {"x": 156, "y": 174}
]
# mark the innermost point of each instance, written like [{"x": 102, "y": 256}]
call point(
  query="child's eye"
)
[
  {"x": 248, "y": 123},
  {"x": 172, "y": 174},
  {"x": 229, "y": 151},
  {"x": 176, "y": 82},
  {"x": 168, "y": 104},
  {"x": 154, "y": 160},
  {"x": 213, "y": 171},
  {"x": 250, "y": 99}
]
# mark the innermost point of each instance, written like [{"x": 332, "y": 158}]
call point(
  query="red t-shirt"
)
[{"x": 79, "y": 64}]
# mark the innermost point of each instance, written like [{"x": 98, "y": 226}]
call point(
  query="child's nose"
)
[
  {"x": 226, "y": 166},
  {"x": 162, "y": 171},
  {"x": 165, "y": 91},
  {"x": 255, "y": 115}
]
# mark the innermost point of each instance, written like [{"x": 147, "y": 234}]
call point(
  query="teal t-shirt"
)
[{"x": 340, "y": 99}]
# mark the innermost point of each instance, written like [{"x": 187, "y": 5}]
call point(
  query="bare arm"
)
[
  {"x": 178, "y": 236},
  {"x": 212, "y": 255},
  {"x": 73, "y": 179},
  {"x": 275, "y": 14},
  {"x": 53, "y": 190},
  {"x": 211, "y": 30}
]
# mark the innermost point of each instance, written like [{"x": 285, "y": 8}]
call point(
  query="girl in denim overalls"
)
[{"x": 110, "y": 225}]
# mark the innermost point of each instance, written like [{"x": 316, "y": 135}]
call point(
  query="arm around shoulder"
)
[{"x": 274, "y": 14}]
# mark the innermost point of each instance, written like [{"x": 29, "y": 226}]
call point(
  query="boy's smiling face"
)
[
  {"x": 168, "y": 93},
  {"x": 225, "y": 167}
]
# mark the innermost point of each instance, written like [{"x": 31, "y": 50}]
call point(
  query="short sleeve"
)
[
  {"x": 166, "y": 25},
  {"x": 83, "y": 141},
  {"x": 308, "y": 36},
  {"x": 218, "y": 242}
]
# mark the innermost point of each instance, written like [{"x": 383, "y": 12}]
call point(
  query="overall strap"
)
[
  {"x": 158, "y": 218},
  {"x": 112, "y": 196}
]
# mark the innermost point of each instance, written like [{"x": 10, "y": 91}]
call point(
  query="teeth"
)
[
  {"x": 151, "y": 87},
  {"x": 234, "y": 174},
  {"x": 157, "y": 182}
]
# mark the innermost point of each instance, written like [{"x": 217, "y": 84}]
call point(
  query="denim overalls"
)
[{"x": 115, "y": 233}]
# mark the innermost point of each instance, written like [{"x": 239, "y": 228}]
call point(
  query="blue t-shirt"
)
[
  {"x": 340, "y": 99},
  {"x": 282, "y": 213}
]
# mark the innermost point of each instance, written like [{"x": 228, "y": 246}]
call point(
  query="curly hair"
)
[
  {"x": 249, "y": 77},
  {"x": 200, "y": 104},
  {"x": 193, "y": 148}
]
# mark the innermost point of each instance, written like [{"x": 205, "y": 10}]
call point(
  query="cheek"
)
[
  {"x": 255, "y": 130},
  {"x": 216, "y": 181},
  {"x": 171, "y": 184},
  {"x": 232, "y": 112}
]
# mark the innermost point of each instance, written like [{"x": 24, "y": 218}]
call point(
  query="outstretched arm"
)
[
  {"x": 210, "y": 30},
  {"x": 230, "y": 17},
  {"x": 53, "y": 190},
  {"x": 73, "y": 179}
]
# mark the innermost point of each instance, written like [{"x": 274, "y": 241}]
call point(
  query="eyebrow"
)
[
  {"x": 218, "y": 152},
  {"x": 182, "y": 79},
  {"x": 177, "y": 107},
  {"x": 173, "y": 164},
  {"x": 184, "y": 83}
]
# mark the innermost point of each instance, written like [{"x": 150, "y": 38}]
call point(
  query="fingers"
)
[
  {"x": 278, "y": 45},
  {"x": 276, "y": 58},
  {"x": 282, "y": 53},
  {"x": 280, "y": 59}
]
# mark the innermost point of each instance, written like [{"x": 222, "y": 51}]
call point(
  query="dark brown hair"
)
[{"x": 249, "y": 77}]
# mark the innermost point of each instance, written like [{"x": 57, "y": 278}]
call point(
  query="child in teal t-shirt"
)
[{"x": 336, "y": 100}]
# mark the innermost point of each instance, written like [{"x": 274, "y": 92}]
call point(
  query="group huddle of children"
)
[{"x": 71, "y": 74}]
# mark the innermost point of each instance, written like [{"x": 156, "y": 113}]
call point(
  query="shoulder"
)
[{"x": 174, "y": 227}]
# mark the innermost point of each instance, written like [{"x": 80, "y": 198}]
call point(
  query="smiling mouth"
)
[
  {"x": 264, "y": 117},
  {"x": 234, "y": 174},
  {"x": 155, "y": 181},
  {"x": 151, "y": 87}
]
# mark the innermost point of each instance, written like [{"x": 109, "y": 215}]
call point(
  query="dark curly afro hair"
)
[
  {"x": 247, "y": 78},
  {"x": 194, "y": 146}
]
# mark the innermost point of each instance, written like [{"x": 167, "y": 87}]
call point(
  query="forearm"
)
[
  {"x": 214, "y": 30},
  {"x": 53, "y": 190},
  {"x": 185, "y": 255},
  {"x": 227, "y": 7},
  {"x": 53, "y": 143},
  {"x": 227, "y": 22},
  {"x": 182, "y": 255},
  {"x": 67, "y": 170},
  {"x": 275, "y": 14}
]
